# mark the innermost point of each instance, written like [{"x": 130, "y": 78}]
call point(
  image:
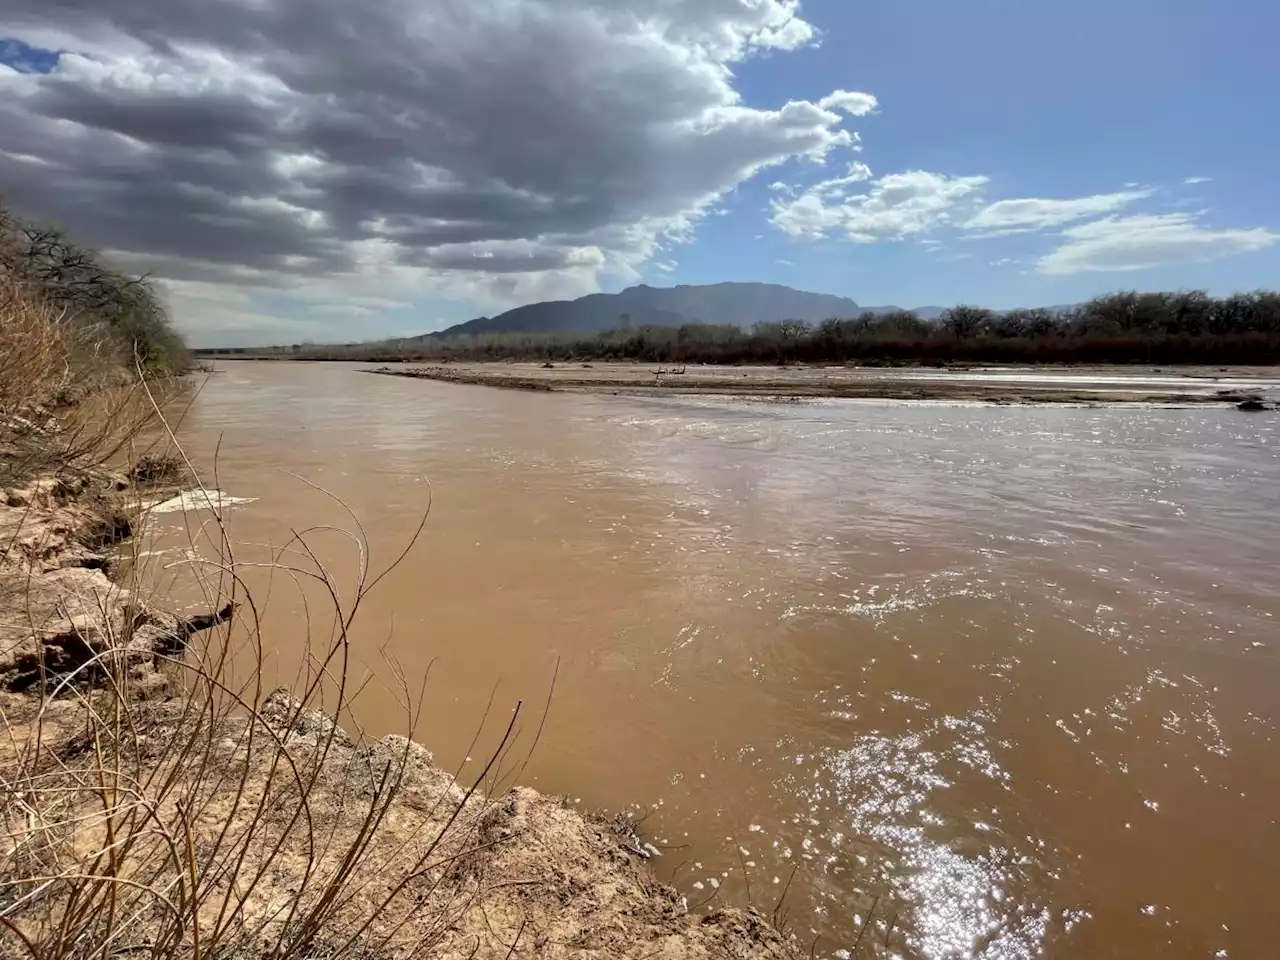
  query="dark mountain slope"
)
[{"x": 739, "y": 304}]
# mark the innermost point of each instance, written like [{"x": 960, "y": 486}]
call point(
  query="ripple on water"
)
[{"x": 904, "y": 596}]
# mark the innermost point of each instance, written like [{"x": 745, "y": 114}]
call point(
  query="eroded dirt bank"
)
[
  {"x": 1189, "y": 386},
  {"x": 61, "y": 614},
  {"x": 140, "y": 814}
]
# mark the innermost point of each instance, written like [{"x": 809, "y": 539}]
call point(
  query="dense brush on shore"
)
[
  {"x": 64, "y": 304},
  {"x": 1150, "y": 328}
]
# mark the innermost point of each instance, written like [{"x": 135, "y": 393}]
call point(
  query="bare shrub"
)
[
  {"x": 230, "y": 820},
  {"x": 119, "y": 315},
  {"x": 156, "y": 799},
  {"x": 69, "y": 401}
]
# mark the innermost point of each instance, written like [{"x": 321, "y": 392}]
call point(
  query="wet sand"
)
[{"x": 1069, "y": 385}]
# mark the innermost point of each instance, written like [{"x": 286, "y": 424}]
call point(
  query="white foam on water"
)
[{"x": 196, "y": 500}]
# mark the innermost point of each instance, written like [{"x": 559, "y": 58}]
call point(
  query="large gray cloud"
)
[{"x": 507, "y": 147}]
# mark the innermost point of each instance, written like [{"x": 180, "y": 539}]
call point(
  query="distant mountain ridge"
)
[{"x": 736, "y": 304}]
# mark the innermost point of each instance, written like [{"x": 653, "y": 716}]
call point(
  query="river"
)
[{"x": 976, "y": 681}]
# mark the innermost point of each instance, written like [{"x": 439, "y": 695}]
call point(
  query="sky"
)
[{"x": 337, "y": 170}]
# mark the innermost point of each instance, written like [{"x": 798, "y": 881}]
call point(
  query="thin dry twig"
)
[{"x": 170, "y": 831}]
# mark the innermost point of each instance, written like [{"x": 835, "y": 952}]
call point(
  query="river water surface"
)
[{"x": 976, "y": 681}]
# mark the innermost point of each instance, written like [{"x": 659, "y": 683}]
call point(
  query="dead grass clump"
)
[
  {"x": 35, "y": 343},
  {"x": 67, "y": 403},
  {"x": 125, "y": 323}
]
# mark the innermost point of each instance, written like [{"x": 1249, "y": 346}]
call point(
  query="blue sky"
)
[
  {"x": 1048, "y": 100},
  {"x": 341, "y": 169}
]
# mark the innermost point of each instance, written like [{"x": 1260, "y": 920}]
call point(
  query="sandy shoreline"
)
[{"x": 1074, "y": 385}]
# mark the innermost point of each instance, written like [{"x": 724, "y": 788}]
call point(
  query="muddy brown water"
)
[{"x": 991, "y": 682}]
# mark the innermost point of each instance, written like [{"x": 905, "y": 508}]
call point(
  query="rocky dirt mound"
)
[
  {"x": 387, "y": 857},
  {"x": 59, "y": 610},
  {"x": 522, "y": 875}
]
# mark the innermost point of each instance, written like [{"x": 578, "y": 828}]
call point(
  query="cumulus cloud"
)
[
  {"x": 854, "y": 104},
  {"x": 1028, "y": 215},
  {"x": 895, "y": 207},
  {"x": 499, "y": 152},
  {"x": 1139, "y": 242}
]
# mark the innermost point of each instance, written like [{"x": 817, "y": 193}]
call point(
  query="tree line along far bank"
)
[{"x": 1149, "y": 328}]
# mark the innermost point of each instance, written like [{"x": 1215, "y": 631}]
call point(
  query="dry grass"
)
[
  {"x": 67, "y": 403},
  {"x": 35, "y": 344},
  {"x": 228, "y": 821}
]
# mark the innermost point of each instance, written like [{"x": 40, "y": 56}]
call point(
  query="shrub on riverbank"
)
[
  {"x": 76, "y": 337},
  {"x": 1148, "y": 328},
  {"x": 108, "y": 321},
  {"x": 68, "y": 402}
]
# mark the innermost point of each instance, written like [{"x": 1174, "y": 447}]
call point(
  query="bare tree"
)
[
  {"x": 45, "y": 262},
  {"x": 965, "y": 321}
]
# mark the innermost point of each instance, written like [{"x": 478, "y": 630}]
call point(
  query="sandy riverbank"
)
[{"x": 1075, "y": 385}]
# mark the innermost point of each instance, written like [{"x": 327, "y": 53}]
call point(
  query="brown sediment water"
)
[{"x": 1001, "y": 679}]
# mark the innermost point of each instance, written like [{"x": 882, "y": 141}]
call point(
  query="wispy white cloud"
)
[
  {"x": 1143, "y": 241},
  {"x": 837, "y": 188},
  {"x": 1006, "y": 217},
  {"x": 1192, "y": 181}
]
